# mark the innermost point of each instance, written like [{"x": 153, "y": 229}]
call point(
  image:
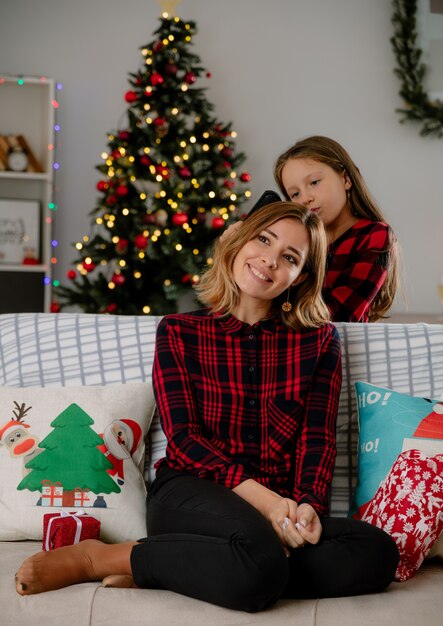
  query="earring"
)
[{"x": 287, "y": 306}]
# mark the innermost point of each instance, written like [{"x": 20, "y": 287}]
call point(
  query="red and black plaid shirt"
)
[
  {"x": 239, "y": 401},
  {"x": 356, "y": 269}
]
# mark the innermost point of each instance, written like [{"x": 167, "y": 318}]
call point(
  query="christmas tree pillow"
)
[
  {"x": 72, "y": 448},
  {"x": 390, "y": 423}
]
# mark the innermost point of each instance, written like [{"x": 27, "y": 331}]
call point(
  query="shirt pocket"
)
[{"x": 284, "y": 420}]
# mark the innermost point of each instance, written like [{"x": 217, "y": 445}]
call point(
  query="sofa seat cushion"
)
[{"x": 417, "y": 601}]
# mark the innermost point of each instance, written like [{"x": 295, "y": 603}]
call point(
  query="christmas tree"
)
[
  {"x": 170, "y": 185},
  {"x": 70, "y": 456}
]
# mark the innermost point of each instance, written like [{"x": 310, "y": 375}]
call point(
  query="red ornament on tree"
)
[
  {"x": 121, "y": 246},
  {"x": 208, "y": 75},
  {"x": 124, "y": 135},
  {"x": 190, "y": 78},
  {"x": 145, "y": 160},
  {"x": 217, "y": 223},
  {"x": 141, "y": 242},
  {"x": 229, "y": 184},
  {"x": 227, "y": 152},
  {"x": 115, "y": 154},
  {"x": 149, "y": 219},
  {"x": 102, "y": 186},
  {"x": 55, "y": 307},
  {"x": 118, "y": 279},
  {"x": 111, "y": 308},
  {"x": 245, "y": 177},
  {"x": 186, "y": 279},
  {"x": 157, "y": 79},
  {"x": 180, "y": 218},
  {"x": 131, "y": 96},
  {"x": 88, "y": 266},
  {"x": 159, "y": 121},
  {"x": 171, "y": 69},
  {"x": 122, "y": 190},
  {"x": 71, "y": 274},
  {"x": 162, "y": 170},
  {"x": 157, "y": 46},
  {"x": 185, "y": 172},
  {"x": 111, "y": 200}
]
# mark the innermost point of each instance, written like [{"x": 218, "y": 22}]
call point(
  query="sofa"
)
[{"x": 65, "y": 350}]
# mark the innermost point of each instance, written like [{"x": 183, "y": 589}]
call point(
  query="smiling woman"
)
[{"x": 282, "y": 238}]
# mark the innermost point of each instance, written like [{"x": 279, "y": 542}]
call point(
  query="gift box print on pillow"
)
[
  {"x": 68, "y": 447},
  {"x": 67, "y": 529}
]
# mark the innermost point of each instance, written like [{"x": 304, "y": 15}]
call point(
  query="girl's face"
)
[
  {"x": 319, "y": 188},
  {"x": 271, "y": 262}
]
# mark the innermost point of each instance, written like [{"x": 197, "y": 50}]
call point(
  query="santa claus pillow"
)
[
  {"x": 408, "y": 505},
  {"x": 74, "y": 448}
]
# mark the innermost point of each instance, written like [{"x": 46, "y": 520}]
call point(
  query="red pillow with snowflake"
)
[{"x": 408, "y": 505}]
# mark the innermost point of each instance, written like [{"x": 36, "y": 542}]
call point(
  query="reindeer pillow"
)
[
  {"x": 408, "y": 505},
  {"x": 72, "y": 448}
]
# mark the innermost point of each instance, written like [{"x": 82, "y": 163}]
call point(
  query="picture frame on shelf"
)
[{"x": 19, "y": 232}]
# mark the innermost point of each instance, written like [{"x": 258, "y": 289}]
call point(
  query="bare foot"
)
[
  {"x": 122, "y": 581},
  {"x": 58, "y": 568},
  {"x": 85, "y": 561}
]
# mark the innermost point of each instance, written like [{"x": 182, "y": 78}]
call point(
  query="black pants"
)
[{"x": 208, "y": 543}]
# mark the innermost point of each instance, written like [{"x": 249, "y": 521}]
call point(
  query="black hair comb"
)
[{"x": 267, "y": 197}]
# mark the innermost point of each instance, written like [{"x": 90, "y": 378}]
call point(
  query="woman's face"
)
[
  {"x": 273, "y": 261},
  {"x": 319, "y": 188}
]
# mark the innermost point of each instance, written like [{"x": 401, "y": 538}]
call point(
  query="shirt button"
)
[
  {"x": 252, "y": 402},
  {"x": 250, "y": 437},
  {"x": 252, "y": 369},
  {"x": 251, "y": 336}
]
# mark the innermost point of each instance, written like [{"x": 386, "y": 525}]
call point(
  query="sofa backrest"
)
[{"x": 67, "y": 349}]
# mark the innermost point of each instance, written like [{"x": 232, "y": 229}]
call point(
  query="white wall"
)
[{"x": 282, "y": 69}]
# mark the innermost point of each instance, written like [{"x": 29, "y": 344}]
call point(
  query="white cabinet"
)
[{"x": 27, "y": 108}]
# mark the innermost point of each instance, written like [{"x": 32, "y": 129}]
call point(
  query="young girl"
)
[
  {"x": 247, "y": 392},
  {"x": 362, "y": 275}
]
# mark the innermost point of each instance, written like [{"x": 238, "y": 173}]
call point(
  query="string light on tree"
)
[{"x": 170, "y": 182}]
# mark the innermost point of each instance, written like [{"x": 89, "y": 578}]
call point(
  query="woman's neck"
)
[{"x": 252, "y": 312}]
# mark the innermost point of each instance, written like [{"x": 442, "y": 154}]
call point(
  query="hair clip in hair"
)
[{"x": 267, "y": 197}]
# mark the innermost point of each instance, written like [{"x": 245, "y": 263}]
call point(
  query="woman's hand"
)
[
  {"x": 308, "y": 523},
  {"x": 295, "y": 525}
]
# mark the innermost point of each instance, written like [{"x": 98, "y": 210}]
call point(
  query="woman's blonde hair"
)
[
  {"x": 361, "y": 201},
  {"x": 218, "y": 290}
]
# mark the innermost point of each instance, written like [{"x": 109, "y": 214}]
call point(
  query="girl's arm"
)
[{"x": 353, "y": 281}]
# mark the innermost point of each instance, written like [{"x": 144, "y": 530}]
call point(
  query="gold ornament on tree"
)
[{"x": 168, "y": 6}]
